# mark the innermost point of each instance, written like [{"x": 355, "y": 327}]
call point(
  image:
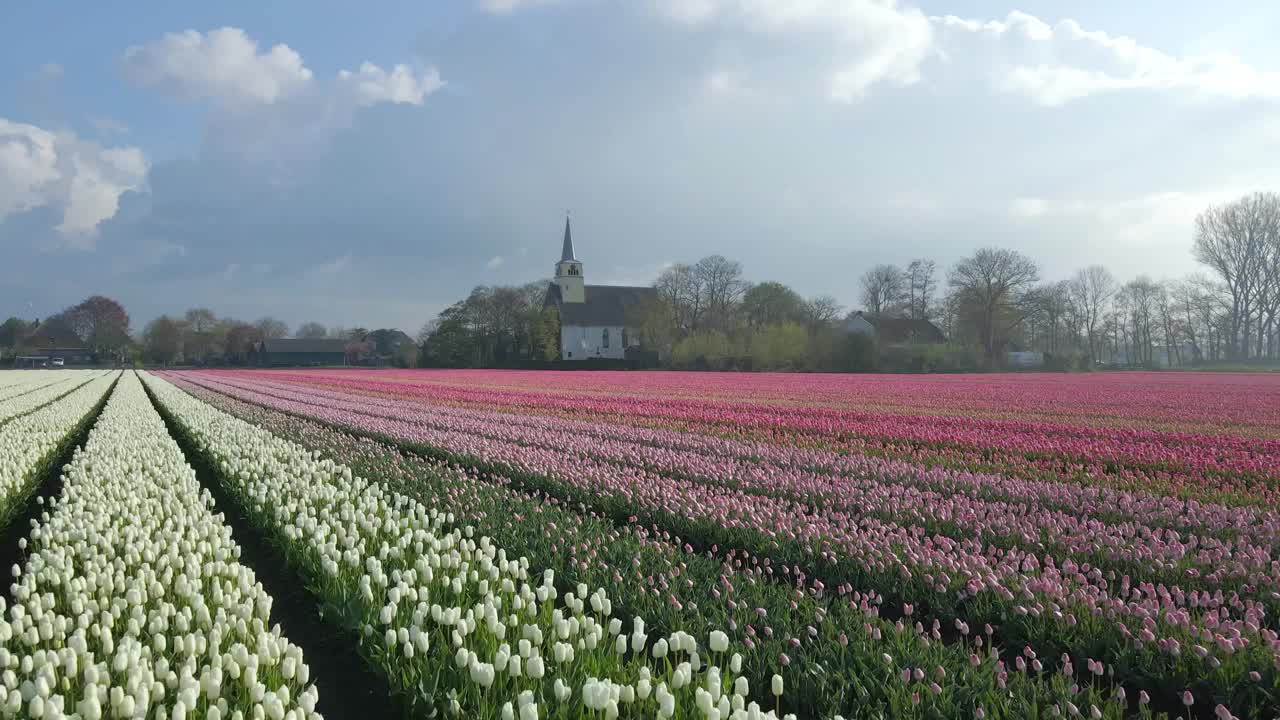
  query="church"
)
[{"x": 596, "y": 321}]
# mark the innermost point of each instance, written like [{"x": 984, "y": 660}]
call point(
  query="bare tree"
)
[
  {"x": 722, "y": 286},
  {"x": 884, "y": 289},
  {"x": 271, "y": 329},
  {"x": 1233, "y": 240},
  {"x": 989, "y": 285},
  {"x": 1269, "y": 297},
  {"x": 1091, "y": 289},
  {"x": 1141, "y": 296},
  {"x": 312, "y": 331},
  {"x": 921, "y": 286},
  {"x": 1046, "y": 309},
  {"x": 820, "y": 310},
  {"x": 681, "y": 288}
]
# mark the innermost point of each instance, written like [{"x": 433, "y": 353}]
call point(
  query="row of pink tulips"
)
[
  {"x": 865, "y": 487},
  {"x": 1221, "y": 463},
  {"x": 1197, "y": 402},
  {"x": 1153, "y": 509}
]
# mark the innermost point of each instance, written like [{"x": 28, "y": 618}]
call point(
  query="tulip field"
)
[{"x": 536, "y": 544}]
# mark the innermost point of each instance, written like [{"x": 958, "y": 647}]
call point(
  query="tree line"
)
[
  {"x": 197, "y": 337},
  {"x": 987, "y": 305}
]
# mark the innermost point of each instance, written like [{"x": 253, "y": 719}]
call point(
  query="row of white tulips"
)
[
  {"x": 41, "y": 395},
  {"x": 28, "y": 377},
  {"x": 29, "y": 442},
  {"x": 17, "y": 383},
  {"x": 132, "y": 603},
  {"x": 450, "y": 618}
]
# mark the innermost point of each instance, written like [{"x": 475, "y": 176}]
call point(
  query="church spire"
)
[{"x": 566, "y": 253}]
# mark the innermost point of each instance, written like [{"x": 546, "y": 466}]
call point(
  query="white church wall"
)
[{"x": 582, "y": 343}]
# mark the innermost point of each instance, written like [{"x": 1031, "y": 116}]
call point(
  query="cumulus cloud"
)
[
  {"x": 495, "y": 262},
  {"x": 42, "y": 168},
  {"x": 884, "y": 42},
  {"x": 871, "y": 41},
  {"x": 223, "y": 65},
  {"x": 1056, "y": 64},
  {"x": 371, "y": 84},
  {"x": 268, "y": 108}
]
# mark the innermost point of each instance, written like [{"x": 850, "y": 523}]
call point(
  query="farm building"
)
[
  {"x": 293, "y": 351},
  {"x": 53, "y": 339},
  {"x": 594, "y": 319},
  {"x": 894, "y": 330}
]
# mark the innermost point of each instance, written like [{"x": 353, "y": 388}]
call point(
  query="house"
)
[
  {"x": 298, "y": 351},
  {"x": 54, "y": 339},
  {"x": 594, "y": 319},
  {"x": 894, "y": 330}
]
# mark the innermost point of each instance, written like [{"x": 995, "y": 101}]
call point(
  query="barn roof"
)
[
  {"x": 51, "y": 334},
  {"x": 606, "y": 305},
  {"x": 305, "y": 345},
  {"x": 900, "y": 329}
]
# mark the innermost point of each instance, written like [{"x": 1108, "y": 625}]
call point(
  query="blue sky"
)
[{"x": 368, "y": 165}]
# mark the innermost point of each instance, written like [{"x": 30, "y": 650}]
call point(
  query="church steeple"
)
[
  {"x": 569, "y": 271},
  {"x": 566, "y": 253}
]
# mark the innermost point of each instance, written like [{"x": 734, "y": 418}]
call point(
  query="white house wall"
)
[{"x": 582, "y": 343}]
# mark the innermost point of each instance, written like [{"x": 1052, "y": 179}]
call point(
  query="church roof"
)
[
  {"x": 605, "y": 306},
  {"x": 566, "y": 253}
]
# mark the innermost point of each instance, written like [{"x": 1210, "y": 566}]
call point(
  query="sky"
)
[{"x": 365, "y": 165}]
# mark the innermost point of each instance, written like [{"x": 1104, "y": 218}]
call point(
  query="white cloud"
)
[
  {"x": 41, "y": 168},
  {"x": 268, "y": 109},
  {"x": 371, "y": 84},
  {"x": 495, "y": 262},
  {"x": 871, "y": 41},
  {"x": 867, "y": 43},
  {"x": 223, "y": 65},
  {"x": 1056, "y": 64},
  {"x": 28, "y": 165}
]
